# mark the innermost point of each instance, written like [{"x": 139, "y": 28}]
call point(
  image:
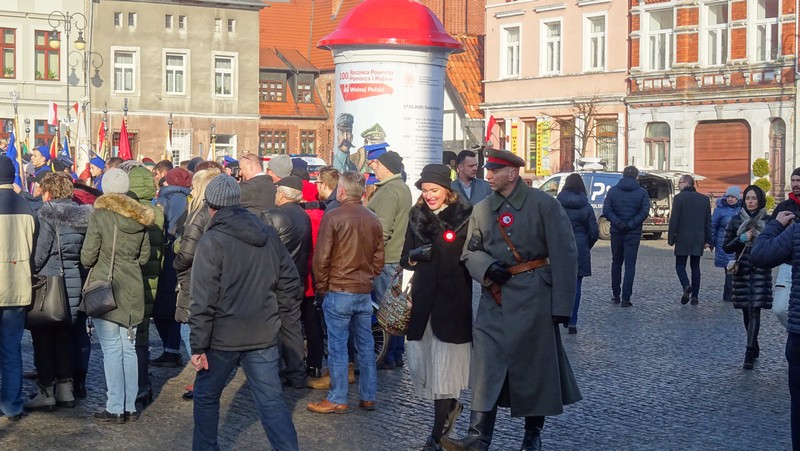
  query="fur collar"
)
[
  {"x": 66, "y": 213},
  {"x": 127, "y": 207},
  {"x": 426, "y": 224}
]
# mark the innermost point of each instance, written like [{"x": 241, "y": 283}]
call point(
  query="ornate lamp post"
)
[{"x": 67, "y": 22}]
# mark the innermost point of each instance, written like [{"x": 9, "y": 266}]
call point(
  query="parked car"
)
[
  {"x": 659, "y": 188},
  {"x": 314, "y": 163}
]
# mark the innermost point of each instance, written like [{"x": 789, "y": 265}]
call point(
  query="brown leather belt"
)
[{"x": 514, "y": 270}]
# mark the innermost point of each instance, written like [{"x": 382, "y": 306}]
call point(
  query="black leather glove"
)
[
  {"x": 421, "y": 254},
  {"x": 623, "y": 226},
  {"x": 498, "y": 273},
  {"x": 563, "y": 320}
]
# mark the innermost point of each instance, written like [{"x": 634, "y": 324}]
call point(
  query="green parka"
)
[
  {"x": 131, "y": 220},
  {"x": 144, "y": 191}
]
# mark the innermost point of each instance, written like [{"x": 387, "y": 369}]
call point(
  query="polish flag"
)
[
  {"x": 489, "y": 126},
  {"x": 52, "y": 114}
]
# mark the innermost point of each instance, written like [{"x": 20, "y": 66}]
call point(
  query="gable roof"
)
[{"x": 465, "y": 74}]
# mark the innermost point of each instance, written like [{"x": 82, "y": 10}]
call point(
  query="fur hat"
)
[
  {"x": 392, "y": 161},
  {"x": 223, "y": 191},
  {"x": 116, "y": 181}
]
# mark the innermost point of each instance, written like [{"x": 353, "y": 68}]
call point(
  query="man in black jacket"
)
[
  {"x": 235, "y": 314},
  {"x": 690, "y": 232},
  {"x": 626, "y": 207},
  {"x": 258, "y": 189},
  {"x": 293, "y": 225}
]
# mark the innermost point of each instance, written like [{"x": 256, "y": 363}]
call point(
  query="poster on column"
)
[{"x": 394, "y": 102}]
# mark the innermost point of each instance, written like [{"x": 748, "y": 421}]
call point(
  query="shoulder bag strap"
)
[
  {"x": 113, "y": 251},
  {"x": 508, "y": 241},
  {"x": 60, "y": 257}
]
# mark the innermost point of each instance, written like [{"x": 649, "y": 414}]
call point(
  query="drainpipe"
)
[{"x": 796, "y": 85}]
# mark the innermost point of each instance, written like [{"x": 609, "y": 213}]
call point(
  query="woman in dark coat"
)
[
  {"x": 61, "y": 223},
  {"x": 727, "y": 207},
  {"x": 440, "y": 329},
  {"x": 752, "y": 286},
  {"x": 584, "y": 226}
]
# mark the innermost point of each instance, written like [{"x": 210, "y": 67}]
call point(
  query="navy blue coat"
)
[
  {"x": 719, "y": 220},
  {"x": 71, "y": 221},
  {"x": 626, "y": 207},
  {"x": 775, "y": 246},
  {"x": 584, "y": 227},
  {"x": 173, "y": 199}
]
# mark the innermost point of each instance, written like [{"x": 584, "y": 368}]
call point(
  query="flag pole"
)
[{"x": 15, "y": 103}]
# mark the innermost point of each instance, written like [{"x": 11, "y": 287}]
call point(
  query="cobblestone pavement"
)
[{"x": 658, "y": 376}]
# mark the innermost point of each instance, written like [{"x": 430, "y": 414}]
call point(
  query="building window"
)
[
  {"x": 511, "y": 47},
  {"x": 223, "y": 76},
  {"x": 225, "y": 145},
  {"x": 132, "y": 19},
  {"x": 231, "y": 25},
  {"x": 217, "y": 25},
  {"x": 272, "y": 87},
  {"x": 6, "y": 127},
  {"x": 596, "y": 43},
  {"x": 308, "y": 141},
  {"x": 768, "y": 42},
  {"x": 124, "y": 65},
  {"x": 132, "y": 141},
  {"x": 43, "y": 133},
  {"x": 48, "y": 60},
  {"x": 656, "y": 146},
  {"x": 117, "y": 19},
  {"x": 272, "y": 141},
  {"x": 8, "y": 52},
  {"x": 168, "y": 22},
  {"x": 328, "y": 95},
  {"x": 552, "y": 48},
  {"x": 607, "y": 135},
  {"x": 182, "y": 23},
  {"x": 659, "y": 40},
  {"x": 305, "y": 88},
  {"x": 717, "y": 34},
  {"x": 175, "y": 75}
]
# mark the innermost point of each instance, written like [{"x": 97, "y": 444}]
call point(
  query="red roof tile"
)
[
  {"x": 296, "y": 60},
  {"x": 465, "y": 74},
  {"x": 269, "y": 60}
]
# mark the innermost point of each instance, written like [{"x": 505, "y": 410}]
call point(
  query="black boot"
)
[
  {"x": 432, "y": 444},
  {"x": 145, "y": 393},
  {"x": 753, "y": 325},
  {"x": 479, "y": 436},
  {"x": 532, "y": 441}
]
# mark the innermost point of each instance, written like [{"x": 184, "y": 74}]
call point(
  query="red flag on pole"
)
[
  {"x": 124, "y": 151},
  {"x": 101, "y": 142},
  {"x": 489, "y": 127}
]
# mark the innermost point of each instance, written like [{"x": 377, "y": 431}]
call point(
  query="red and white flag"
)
[
  {"x": 489, "y": 126},
  {"x": 75, "y": 107},
  {"x": 52, "y": 114}
]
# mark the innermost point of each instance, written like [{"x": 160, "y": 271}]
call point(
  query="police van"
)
[{"x": 659, "y": 188}]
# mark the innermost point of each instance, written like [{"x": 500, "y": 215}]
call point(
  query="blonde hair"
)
[{"x": 199, "y": 182}]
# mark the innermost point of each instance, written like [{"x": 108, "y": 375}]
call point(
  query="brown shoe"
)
[
  {"x": 319, "y": 383},
  {"x": 367, "y": 405},
  {"x": 326, "y": 406}
]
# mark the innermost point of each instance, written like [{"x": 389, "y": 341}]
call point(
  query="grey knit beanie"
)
[
  {"x": 116, "y": 181},
  {"x": 222, "y": 191}
]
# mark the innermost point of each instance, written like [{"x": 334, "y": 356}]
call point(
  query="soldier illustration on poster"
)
[{"x": 344, "y": 136}]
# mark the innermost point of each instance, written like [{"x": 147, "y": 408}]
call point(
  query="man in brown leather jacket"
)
[{"x": 348, "y": 256}]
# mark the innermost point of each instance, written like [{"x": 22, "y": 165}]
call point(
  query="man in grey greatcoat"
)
[{"x": 522, "y": 250}]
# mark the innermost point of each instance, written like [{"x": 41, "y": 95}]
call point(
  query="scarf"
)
[
  {"x": 753, "y": 222},
  {"x": 794, "y": 198}
]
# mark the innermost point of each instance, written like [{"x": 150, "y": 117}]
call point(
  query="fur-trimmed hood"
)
[
  {"x": 426, "y": 224},
  {"x": 127, "y": 207},
  {"x": 66, "y": 213}
]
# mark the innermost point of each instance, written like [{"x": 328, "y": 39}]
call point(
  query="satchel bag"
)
[
  {"x": 732, "y": 267},
  {"x": 50, "y": 301},
  {"x": 98, "y": 296},
  {"x": 394, "y": 312}
]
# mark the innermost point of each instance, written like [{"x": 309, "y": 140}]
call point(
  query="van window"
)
[{"x": 551, "y": 186}]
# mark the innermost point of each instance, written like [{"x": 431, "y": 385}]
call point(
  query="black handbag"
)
[
  {"x": 98, "y": 296},
  {"x": 50, "y": 301}
]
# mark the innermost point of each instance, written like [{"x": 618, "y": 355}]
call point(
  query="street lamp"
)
[{"x": 66, "y": 21}]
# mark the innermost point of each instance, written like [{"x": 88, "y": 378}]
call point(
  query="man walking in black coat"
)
[
  {"x": 626, "y": 207},
  {"x": 689, "y": 232}
]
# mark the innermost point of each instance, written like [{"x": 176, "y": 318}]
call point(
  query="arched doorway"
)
[{"x": 777, "y": 158}]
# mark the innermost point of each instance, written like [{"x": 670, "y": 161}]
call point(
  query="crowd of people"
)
[{"x": 254, "y": 268}]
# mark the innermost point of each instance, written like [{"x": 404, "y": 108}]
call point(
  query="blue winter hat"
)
[
  {"x": 45, "y": 151},
  {"x": 99, "y": 162},
  {"x": 734, "y": 191},
  {"x": 376, "y": 150},
  {"x": 371, "y": 180}
]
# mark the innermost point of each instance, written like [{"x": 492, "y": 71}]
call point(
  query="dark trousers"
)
[
  {"x": 624, "y": 249},
  {"x": 170, "y": 332},
  {"x": 80, "y": 348},
  {"x": 793, "y": 357},
  {"x": 752, "y": 324},
  {"x": 261, "y": 369},
  {"x": 680, "y": 269},
  {"x": 52, "y": 352},
  {"x": 294, "y": 369},
  {"x": 574, "y": 319},
  {"x": 727, "y": 290},
  {"x": 313, "y": 326}
]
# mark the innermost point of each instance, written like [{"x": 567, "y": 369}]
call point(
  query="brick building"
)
[{"x": 711, "y": 88}]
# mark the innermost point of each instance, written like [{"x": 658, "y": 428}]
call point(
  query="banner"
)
[{"x": 124, "y": 150}]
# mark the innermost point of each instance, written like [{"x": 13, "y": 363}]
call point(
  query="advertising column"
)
[{"x": 390, "y": 58}]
